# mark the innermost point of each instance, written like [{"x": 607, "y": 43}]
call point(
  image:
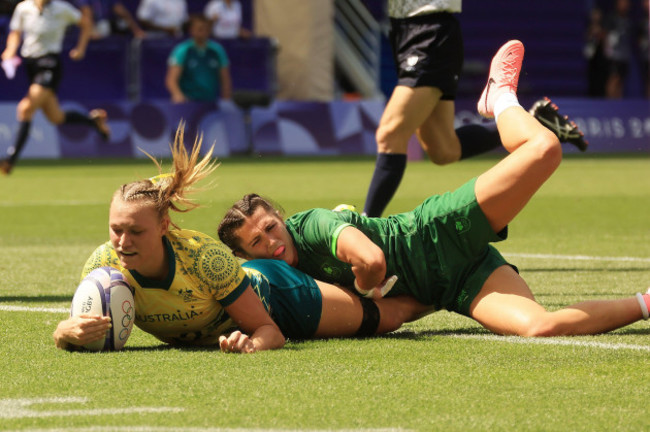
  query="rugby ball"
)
[{"x": 105, "y": 291}]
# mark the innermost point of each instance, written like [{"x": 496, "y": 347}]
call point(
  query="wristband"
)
[{"x": 360, "y": 290}]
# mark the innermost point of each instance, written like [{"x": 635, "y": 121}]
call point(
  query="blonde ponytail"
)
[{"x": 170, "y": 190}]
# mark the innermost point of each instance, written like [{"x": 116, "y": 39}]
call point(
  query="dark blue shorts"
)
[{"x": 428, "y": 51}]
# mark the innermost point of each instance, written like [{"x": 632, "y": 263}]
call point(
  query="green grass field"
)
[{"x": 585, "y": 235}]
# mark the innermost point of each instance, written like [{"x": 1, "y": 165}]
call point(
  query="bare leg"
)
[
  {"x": 52, "y": 109},
  {"x": 97, "y": 118},
  {"x": 506, "y": 306},
  {"x": 36, "y": 97},
  {"x": 504, "y": 190},
  {"x": 342, "y": 312},
  {"x": 405, "y": 111},
  {"x": 437, "y": 135},
  {"x": 395, "y": 311},
  {"x": 535, "y": 152}
]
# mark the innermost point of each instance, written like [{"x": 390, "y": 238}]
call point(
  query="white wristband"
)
[
  {"x": 644, "y": 307},
  {"x": 359, "y": 289},
  {"x": 388, "y": 285}
]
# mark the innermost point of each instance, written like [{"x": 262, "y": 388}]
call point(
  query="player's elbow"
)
[
  {"x": 372, "y": 261},
  {"x": 277, "y": 339}
]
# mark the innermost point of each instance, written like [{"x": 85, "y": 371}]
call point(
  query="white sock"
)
[{"x": 505, "y": 101}]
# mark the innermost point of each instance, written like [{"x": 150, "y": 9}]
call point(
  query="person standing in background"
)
[
  {"x": 618, "y": 48},
  {"x": 428, "y": 50},
  {"x": 595, "y": 54},
  {"x": 644, "y": 51},
  {"x": 198, "y": 69},
  {"x": 427, "y": 45},
  {"x": 43, "y": 24},
  {"x": 108, "y": 17},
  {"x": 226, "y": 18},
  {"x": 163, "y": 17}
]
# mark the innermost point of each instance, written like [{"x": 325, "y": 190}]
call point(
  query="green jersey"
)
[{"x": 440, "y": 251}]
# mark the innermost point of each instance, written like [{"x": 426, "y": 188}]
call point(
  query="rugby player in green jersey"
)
[
  {"x": 190, "y": 289},
  {"x": 441, "y": 251}
]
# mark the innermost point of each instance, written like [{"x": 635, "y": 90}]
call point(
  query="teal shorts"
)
[
  {"x": 461, "y": 235},
  {"x": 295, "y": 300}
]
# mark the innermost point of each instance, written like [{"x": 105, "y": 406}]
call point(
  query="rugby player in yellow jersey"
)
[{"x": 190, "y": 289}]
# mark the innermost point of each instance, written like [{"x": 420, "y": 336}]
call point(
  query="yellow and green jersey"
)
[{"x": 187, "y": 307}]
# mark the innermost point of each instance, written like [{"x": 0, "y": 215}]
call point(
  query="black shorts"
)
[
  {"x": 45, "y": 70},
  {"x": 428, "y": 51}
]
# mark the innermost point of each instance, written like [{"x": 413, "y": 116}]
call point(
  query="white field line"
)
[
  {"x": 196, "y": 429},
  {"x": 8, "y": 308},
  {"x": 577, "y": 257},
  {"x": 21, "y": 408},
  {"x": 552, "y": 341},
  {"x": 71, "y": 203}
]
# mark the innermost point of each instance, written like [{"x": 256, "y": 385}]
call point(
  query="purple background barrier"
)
[{"x": 290, "y": 128}]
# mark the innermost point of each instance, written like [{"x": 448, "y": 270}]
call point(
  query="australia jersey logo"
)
[{"x": 186, "y": 295}]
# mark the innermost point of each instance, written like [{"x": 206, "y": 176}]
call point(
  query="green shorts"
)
[
  {"x": 295, "y": 300},
  {"x": 460, "y": 236}
]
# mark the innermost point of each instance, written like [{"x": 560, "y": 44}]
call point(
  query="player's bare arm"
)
[
  {"x": 249, "y": 314},
  {"x": 367, "y": 259}
]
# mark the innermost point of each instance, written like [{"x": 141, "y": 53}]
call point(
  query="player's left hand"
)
[
  {"x": 236, "y": 342},
  {"x": 77, "y": 54}
]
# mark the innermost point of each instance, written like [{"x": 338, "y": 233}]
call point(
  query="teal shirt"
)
[
  {"x": 201, "y": 76},
  {"x": 292, "y": 298}
]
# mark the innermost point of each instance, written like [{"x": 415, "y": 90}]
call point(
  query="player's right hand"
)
[
  {"x": 81, "y": 330},
  {"x": 236, "y": 342},
  {"x": 379, "y": 291}
]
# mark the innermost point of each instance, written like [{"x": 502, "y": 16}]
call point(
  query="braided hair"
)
[
  {"x": 237, "y": 215},
  {"x": 170, "y": 190}
]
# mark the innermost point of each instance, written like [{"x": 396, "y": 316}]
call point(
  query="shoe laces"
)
[{"x": 510, "y": 69}]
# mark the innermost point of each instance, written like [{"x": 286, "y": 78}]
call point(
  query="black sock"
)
[
  {"x": 21, "y": 139},
  {"x": 476, "y": 139},
  {"x": 75, "y": 117},
  {"x": 389, "y": 170}
]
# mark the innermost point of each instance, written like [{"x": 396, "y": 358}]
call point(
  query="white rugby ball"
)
[{"x": 105, "y": 291}]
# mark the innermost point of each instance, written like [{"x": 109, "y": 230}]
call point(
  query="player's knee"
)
[
  {"x": 548, "y": 149},
  {"x": 550, "y": 146},
  {"x": 543, "y": 326},
  {"x": 391, "y": 138},
  {"x": 25, "y": 110}
]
